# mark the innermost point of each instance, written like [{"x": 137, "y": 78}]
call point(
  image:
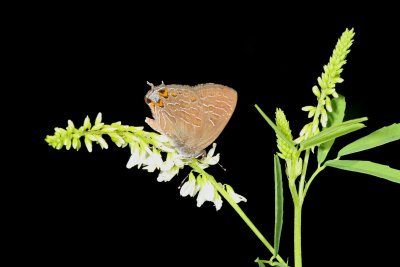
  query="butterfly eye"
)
[{"x": 147, "y": 100}]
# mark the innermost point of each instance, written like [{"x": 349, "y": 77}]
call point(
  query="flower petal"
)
[
  {"x": 217, "y": 201},
  {"x": 236, "y": 197},
  {"x": 153, "y": 161},
  {"x": 189, "y": 187},
  {"x": 206, "y": 193},
  {"x": 166, "y": 176},
  {"x": 134, "y": 159}
]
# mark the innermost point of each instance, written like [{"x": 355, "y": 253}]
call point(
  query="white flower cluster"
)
[
  {"x": 205, "y": 191},
  {"x": 151, "y": 160}
]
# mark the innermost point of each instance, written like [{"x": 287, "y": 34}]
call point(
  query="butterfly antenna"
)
[
  {"x": 183, "y": 181},
  {"x": 151, "y": 85},
  {"x": 222, "y": 167}
]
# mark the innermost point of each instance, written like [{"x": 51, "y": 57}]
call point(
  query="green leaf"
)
[
  {"x": 379, "y": 137},
  {"x": 334, "y": 118},
  {"x": 367, "y": 167},
  {"x": 333, "y": 132},
  {"x": 260, "y": 263},
  {"x": 270, "y": 262},
  {"x": 278, "y": 204}
]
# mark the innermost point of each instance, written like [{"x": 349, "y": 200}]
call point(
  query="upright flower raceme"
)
[{"x": 325, "y": 90}]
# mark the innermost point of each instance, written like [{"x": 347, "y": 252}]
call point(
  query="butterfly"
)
[{"x": 191, "y": 116}]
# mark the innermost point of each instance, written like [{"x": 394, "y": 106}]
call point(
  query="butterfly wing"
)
[
  {"x": 218, "y": 103},
  {"x": 177, "y": 114},
  {"x": 193, "y": 117}
]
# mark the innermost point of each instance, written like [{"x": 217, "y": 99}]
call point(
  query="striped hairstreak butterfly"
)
[{"x": 191, "y": 116}]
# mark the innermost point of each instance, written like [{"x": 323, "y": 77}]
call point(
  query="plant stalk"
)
[
  {"x": 246, "y": 219},
  {"x": 297, "y": 203},
  {"x": 239, "y": 211},
  {"x": 297, "y": 235}
]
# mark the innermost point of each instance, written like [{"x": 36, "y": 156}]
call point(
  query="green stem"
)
[
  {"x": 297, "y": 203},
  {"x": 238, "y": 210},
  {"x": 246, "y": 219},
  {"x": 297, "y": 235},
  {"x": 303, "y": 174},
  {"x": 318, "y": 170}
]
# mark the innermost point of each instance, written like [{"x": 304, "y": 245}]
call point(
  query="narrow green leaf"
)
[
  {"x": 333, "y": 132},
  {"x": 270, "y": 262},
  {"x": 334, "y": 118},
  {"x": 260, "y": 263},
  {"x": 278, "y": 204},
  {"x": 379, "y": 137},
  {"x": 367, "y": 167}
]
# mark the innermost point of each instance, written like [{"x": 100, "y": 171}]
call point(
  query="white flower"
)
[
  {"x": 160, "y": 138},
  {"x": 328, "y": 104},
  {"x": 167, "y": 175},
  {"x": 209, "y": 159},
  {"x": 168, "y": 163},
  {"x": 190, "y": 187},
  {"x": 173, "y": 159},
  {"x": 217, "y": 201},
  {"x": 315, "y": 89},
  {"x": 236, "y": 197},
  {"x": 137, "y": 157},
  {"x": 310, "y": 109},
  {"x": 162, "y": 142},
  {"x": 205, "y": 189},
  {"x": 153, "y": 161},
  {"x": 177, "y": 159},
  {"x": 206, "y": 193}
]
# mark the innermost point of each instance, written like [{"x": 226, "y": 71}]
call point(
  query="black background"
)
[{"x": 79, "y": 207}]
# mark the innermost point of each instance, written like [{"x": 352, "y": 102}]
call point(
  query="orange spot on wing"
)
[
  {"x": 163, "y": 93},
  {"x": 160, "y": 104}
]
